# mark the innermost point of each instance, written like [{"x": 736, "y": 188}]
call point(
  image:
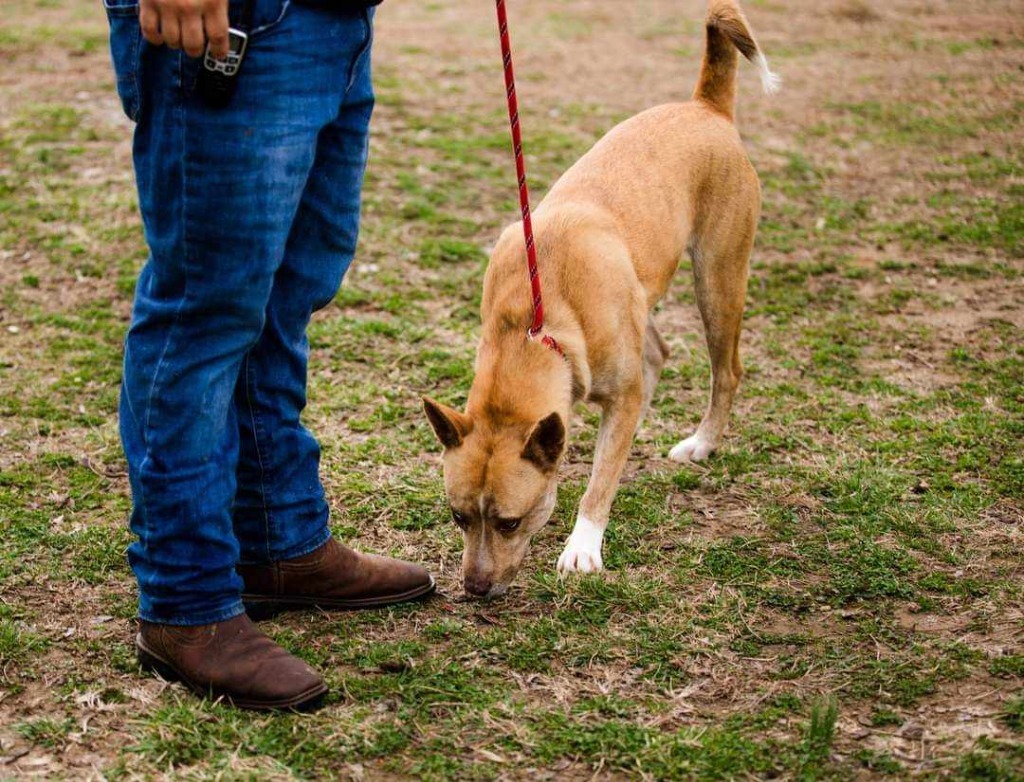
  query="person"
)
[{"x": 251, "y": 213}]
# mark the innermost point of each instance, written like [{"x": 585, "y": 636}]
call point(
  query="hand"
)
[{"x": 186, "y": 24}]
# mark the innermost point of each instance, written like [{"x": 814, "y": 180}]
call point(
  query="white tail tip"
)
[{"x": 770, "y": 82}]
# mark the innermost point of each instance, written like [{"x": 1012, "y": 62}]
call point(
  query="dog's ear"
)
[
  {"x": 545, "y": 444},
  {"x": 450, "y": 426}
]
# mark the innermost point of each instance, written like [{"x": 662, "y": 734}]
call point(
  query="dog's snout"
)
[{"x": 480, "y": 586}]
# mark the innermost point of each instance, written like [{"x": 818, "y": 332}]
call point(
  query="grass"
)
[
  {"x": 848, "y": 567},
  {"x": 821, "y": 733},
  {"x": 17, "y": 645}
]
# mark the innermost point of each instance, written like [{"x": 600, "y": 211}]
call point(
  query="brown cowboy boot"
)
[
  {"x": 232, "y": 660},
  {"x": 334, "y": 577}
]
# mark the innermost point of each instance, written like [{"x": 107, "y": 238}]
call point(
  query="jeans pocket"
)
[
  {"x": 364, "y": 50},
  {"x": 266, "y": 15},
  {"x": 125, "y": 44}
]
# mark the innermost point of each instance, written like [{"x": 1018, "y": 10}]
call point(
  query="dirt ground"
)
[{"x": 839, "y": 593}]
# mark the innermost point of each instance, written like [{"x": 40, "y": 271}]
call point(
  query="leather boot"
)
[
  {"x": 232, "y": 660},
  {"x": 334, "y": 577}
]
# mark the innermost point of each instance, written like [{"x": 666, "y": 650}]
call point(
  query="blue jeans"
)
[{"x": 251, "y": 215}]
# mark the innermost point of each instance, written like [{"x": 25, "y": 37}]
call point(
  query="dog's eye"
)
[
  {"x": 459, "y": 517},
  {"x": 509, "y": 525}
]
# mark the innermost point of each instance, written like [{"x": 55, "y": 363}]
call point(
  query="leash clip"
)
[{"x": 547, "y": 340}]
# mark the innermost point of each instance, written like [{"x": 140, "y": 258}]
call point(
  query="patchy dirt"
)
[{"x": 894, "y": 116}]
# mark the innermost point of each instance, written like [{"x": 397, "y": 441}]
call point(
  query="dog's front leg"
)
[{"x": 619, "y": 420}]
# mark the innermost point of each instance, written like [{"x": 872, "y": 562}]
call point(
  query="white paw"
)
[
  {"x": 583, "y": 549},
  {"x": 579, "y": 560},
  {"x": 693, "y": 449}
]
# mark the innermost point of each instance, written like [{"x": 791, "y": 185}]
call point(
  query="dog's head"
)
[{"x": 500, "y": 477}]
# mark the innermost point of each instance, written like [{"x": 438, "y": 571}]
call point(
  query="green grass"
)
[
  {"x": 845, "y": 563},
  {"x": 45, "y": 732},
  {"x": 18, "y": 645},
  {"x": 1013, "y": 714},
  {"x": 821, "y": 733}
]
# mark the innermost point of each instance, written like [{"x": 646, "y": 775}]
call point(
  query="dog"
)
[{"x": 610, "y": 235}]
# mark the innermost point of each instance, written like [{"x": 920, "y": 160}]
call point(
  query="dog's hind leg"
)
[
  {"x": 721, "y": 288},
  {"x": 656, "y": 352}
]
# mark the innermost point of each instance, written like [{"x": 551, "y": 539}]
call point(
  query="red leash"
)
[{"x": 524, "y": 194}]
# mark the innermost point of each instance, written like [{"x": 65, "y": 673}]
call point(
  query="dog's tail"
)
[{"x": 727, "y": 31}]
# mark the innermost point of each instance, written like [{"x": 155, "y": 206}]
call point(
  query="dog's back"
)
[
  {"x": 654, "y": 176},
  {"x": 689, "y": 154}
]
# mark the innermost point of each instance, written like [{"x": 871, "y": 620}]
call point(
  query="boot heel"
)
[
  {"x": 150, "y": 663},
  {"x": 261, "y": 610}
]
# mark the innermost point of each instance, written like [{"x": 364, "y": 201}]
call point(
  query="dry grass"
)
[{"x": 859, "y": 539}]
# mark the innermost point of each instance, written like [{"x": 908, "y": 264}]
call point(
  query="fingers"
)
[
  {"x": 193, "y": 39},
  {"x": 186, "y": 24},
  {"x": 149, "y": 20},
  {"x": 216, "y": 25},
  {"x": 170, "y": 28}
]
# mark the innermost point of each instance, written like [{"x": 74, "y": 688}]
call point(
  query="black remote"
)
[{"x": 217, "y": 78}]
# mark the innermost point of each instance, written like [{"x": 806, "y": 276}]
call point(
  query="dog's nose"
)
[{"x": 478, "y": 585}]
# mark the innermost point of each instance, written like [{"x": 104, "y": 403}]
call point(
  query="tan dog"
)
[{"x": 610, "y": 235}]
